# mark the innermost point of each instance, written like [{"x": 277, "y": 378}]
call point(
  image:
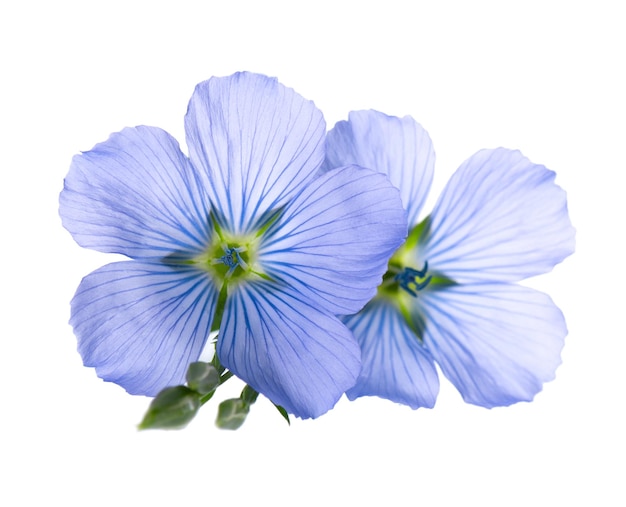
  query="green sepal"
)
[
  {"x": 268, "y": 219},
  {"x": 440, "y": 281},
  {"x": 173, "y": 408},
  {"x": 232, "y": 413},
  {"x": 284, "y": 413},
  {"x": 202, "y": 377},
  {"x": 418, "y": 234}
]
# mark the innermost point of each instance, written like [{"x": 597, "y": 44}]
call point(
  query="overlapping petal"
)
[
  {"x": 398, "y": 147},
  {"x": 395, "y": 364},
  {"x": 333, "y": 241},
  {"x": 298, "y": 356},
  {"x": 135, "y": 194},
  {"x": 258, "y": 141},
  {"x": 497, "y": 343},
  {"x": 501, "y": 218},
  {"x": 140, "y": 324}
]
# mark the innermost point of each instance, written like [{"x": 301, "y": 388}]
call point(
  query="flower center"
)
[
  {"x": 413, "y": 280},
  {"x": 232, "y": 259},
  {"x": 235, "y": 257}
]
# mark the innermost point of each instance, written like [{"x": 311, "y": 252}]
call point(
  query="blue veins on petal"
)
[
  {"x": 501, "y": 218},
  {"x": 136, "y": 194},
  {"x": 396, "y": 365},
  {"x": 386, "y": 144},
  {"x": 258, "y": 141},
  {"x": 335, "y": 238},
  {"x": 497, "y": 343},
  {"x": 299, "y": 356},
  {"x": 140, "y": 324}
]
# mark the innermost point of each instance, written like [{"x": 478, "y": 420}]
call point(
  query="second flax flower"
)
[{"x": 449, "y": 294}]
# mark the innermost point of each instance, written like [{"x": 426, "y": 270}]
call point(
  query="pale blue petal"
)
[
  {"x": 258, "y": 141},
  {"x": 398, "y": 147},
  {"x": 141, "y": 324},
  {"x": 395, "y": 364},
  {"x": 497, "y": 343},
  {"x": 135, "y": 194},
  {"x": 298, "y": 356},
  {"x": 333, "y": 241},
  {"x": 500, "y": 218}
]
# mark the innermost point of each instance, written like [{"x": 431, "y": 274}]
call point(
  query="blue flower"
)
[
  {"x": 449, "y": 294},
  {"x": 244, "y": 234}
]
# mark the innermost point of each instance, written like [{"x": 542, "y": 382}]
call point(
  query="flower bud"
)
[
  {"x": 232, "y": 413},
  {"x": 202, "y": 377},
  {"x": 172, "y": 408}
]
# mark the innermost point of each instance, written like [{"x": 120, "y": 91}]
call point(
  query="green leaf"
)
[
  {"x": 232, "y": 413},
  {"x": 173, "y": 408},
  {"x": 202, "y": 377}
]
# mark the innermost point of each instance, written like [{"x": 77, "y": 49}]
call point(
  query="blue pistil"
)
[
  {"x": 232, "y": 259},
  {"x": 408, "y": 279}
]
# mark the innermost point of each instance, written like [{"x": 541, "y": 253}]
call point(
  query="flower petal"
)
[
  {"x": 398, "y": 147},
  {"x": 500, "y": 218},
  {"x": 497, "y": 343},
  {"x": 395, "y": 364},
  {"x": 258, "y": 141},
  {"x": 298, "y": 356},
  {"x": 135, "y": 194},
  {"x": 141, "y": 324},
  {"x": 333, "y": 241}
]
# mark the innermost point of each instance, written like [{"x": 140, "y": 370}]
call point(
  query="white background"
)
[{"x": 545, "y": 77}]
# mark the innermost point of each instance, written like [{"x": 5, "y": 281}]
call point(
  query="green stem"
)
[{"x": 209, "y": 395}]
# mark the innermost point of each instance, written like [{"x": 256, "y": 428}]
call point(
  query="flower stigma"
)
[
  {"x": 403, "y": 272},
  {"x": 413, "y": 280},
  {"x": 232, "y": 259}
]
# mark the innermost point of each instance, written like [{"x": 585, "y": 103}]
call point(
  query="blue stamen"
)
[
  {"x": 232, "y": 259},
  {"x": 408, "y": 279}
]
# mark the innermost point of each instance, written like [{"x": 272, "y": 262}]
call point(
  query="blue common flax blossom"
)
[
  {"x": 243, "y": 236},
  {"x": 449, "y": 296}
]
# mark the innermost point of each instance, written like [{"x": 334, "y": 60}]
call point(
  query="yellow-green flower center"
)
[
  {"x": 403, "y": 271},
  {"x": 233, "y": 258},
  {"x": 230, "y": 259}
]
